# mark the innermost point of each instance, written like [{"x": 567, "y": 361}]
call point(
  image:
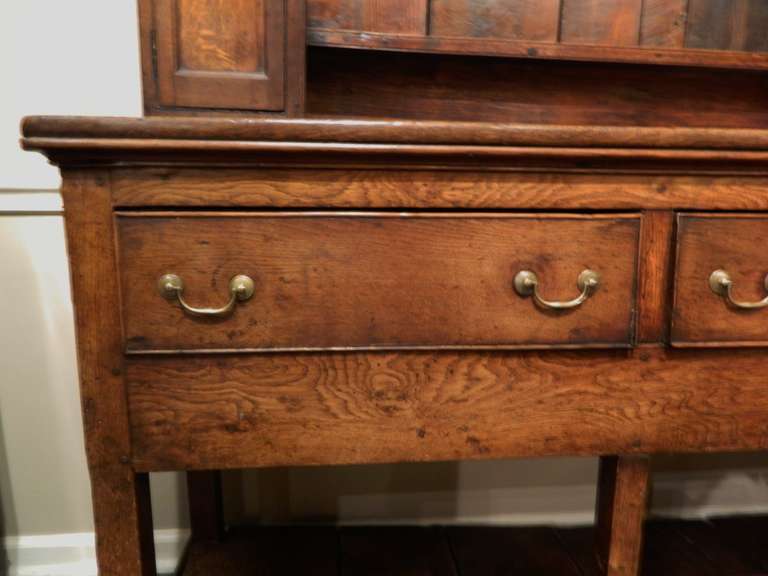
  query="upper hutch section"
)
[
  {"x": 580, "y": 62},
  {"x": 727, "y": 33},
  {"x": 223, "y": 54}
]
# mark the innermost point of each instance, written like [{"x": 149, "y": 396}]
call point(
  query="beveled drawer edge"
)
[
  {"x": 384, "y": 348},
  {"x": 680, "y": 217},
  {"x": 686, "y": 344}
]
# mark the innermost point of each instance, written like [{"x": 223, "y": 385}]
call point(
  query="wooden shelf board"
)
[{"x": 537, "y": 50}]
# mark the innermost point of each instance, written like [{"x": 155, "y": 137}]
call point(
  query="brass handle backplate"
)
[
  {"x": 720, "y": 283},
  {"x": 527, "y": 284},
  {"x": 240, "y": 289}
]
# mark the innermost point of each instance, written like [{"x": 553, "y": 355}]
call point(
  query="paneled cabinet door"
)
[{"x": 220, "y": 53}]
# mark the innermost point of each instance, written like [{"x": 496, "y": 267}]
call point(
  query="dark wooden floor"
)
[{"x": 721, "y": 547}]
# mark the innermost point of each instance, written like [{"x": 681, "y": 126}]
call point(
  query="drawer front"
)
[
  {"x": 736, "y": 247},
  {"x": 253, "y": 410},
  {"x": 368, "y": 281}
]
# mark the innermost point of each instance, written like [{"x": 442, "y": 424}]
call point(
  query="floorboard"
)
[
  {"x": 504, "y": 552},
  {"x": 395, "y": 551},
  {"x": 735, "y": 546},
  {"x": 273, "y": 551}
]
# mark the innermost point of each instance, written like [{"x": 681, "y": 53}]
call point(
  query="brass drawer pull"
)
[
  {"x": 240, "y": 289},
  {"x": 721, "y": 284},
  {"x": 527, "y": 284}
]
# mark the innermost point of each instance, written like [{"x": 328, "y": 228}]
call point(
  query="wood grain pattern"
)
[
  {"x": 655, "y": 276},
  {"x": 539, "y": 50},
  {"x": 370, "y": 84},
  {"x": 397, "y": 16},
  {"x": 409, "y": 189},
  {"x": 217, "y": 54},
  {"x": 728, "y": 25},
  {"x": 378, "y": 156},
  {"x": 623, "y": 490},
  {"x": 335, "y": 14},
  {"x": 536, "y": 20},
  {"x": 391, "y": 131},
  {"x": 387, "y": 281},
  {"x": 272, "y": 410},
  {"x": 707, "y": 243},
  {"x": 221, "y": 35},
  {"x": 121, "y": 508},
  {"x": 610, "y": 22},
  {"x": 295, "y": 57},
  {"x": 663, "y": 23},
  {"x": 637, "y": 31}
]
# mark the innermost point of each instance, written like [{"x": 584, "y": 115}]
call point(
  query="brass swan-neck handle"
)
[
  {"x": 240, "y": 289},
  {"x": 527, "y": 284},
  {"x": 721, "y": 283}
]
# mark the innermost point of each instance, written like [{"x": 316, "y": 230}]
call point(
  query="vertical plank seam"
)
[
  {"x": 640, "y": 20},
  {"x": 686, "y": 8}
]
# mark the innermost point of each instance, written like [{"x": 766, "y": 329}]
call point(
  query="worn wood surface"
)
[
  {"x": 243, "y": 411},
  {"x": 717, "y": 33},
  {"x": 530, "y": 19},
  {"x": 540, "y": 50},
  {"x": 663, "y": 23},
  {"x": 655, "y": 275},
  {"x": 728, "y": 25},
  {"x": 378, "y": 156},
  {"x": 121, "y": 508},
  {"x": 218, "y": 54},
  {"x": 389, "y": 281},
  {"x": 295, "y": 57},
  {"x": 203, "y": 55},
  {"x": 622, "y": 500},
  {"x": 476, "y": 189},
  {"x": 427, "y": 86},
  {"x": 179, "y": 131},
  {"x": 395, "y": 16},
  {"x": 609, "y": 22},
  {"x": 377, "y": 144},
  {"x": 709, "y": 242}
]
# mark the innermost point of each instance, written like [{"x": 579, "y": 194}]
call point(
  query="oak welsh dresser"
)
[{"x": 419, "y": 230}]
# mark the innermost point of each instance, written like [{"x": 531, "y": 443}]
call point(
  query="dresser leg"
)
[
  {"x": 123, "y": 519},
  {"x": 121, "y": 503},
  {"x": 205, "y": 510},
  {"x": 622, "y": 496}
]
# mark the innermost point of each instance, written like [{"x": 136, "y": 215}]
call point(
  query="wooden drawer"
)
[
  {"x": 376, "y": 281},
  {"x": 738, "y": 245}
]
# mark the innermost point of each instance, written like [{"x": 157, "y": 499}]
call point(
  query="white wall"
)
[
  {"x": 73, "y": 57},
  {"x": 81, "y": 57}
]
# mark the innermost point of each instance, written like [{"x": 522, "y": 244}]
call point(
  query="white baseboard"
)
[{"x": 74, "y": 554}]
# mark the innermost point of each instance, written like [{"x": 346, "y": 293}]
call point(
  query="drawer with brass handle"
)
[
  {"x": 321, "y": 281},
  {"x": 721, "y": 281}
]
